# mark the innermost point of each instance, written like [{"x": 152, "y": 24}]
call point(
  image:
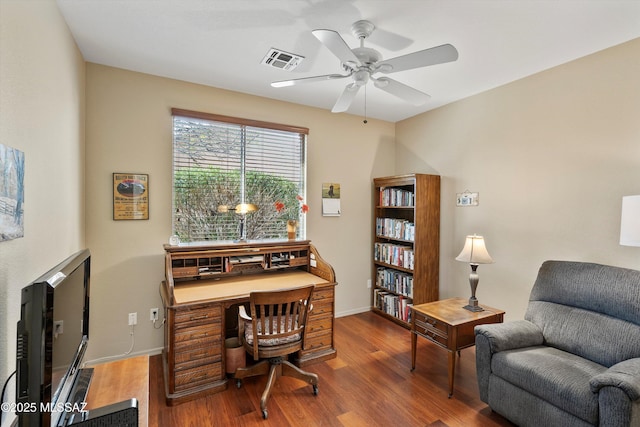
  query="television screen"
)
[
  {"x": 70, "y": 330},
  {"x": 53, "y": 334}
]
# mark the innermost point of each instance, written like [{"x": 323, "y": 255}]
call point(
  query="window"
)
[{"x": 221, "y": 162}]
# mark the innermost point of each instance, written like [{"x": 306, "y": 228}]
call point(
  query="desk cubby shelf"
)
[
  {"x": 406, "y": 244},
  {"x": 192, "y": 265}
]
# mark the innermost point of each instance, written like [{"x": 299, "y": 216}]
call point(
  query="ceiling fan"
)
[{"x": 363, "y": 62}]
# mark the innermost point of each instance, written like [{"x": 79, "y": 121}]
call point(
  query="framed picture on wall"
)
[
  {"x": 130, "y": 196},
  {"x": 11, "y": 193}
]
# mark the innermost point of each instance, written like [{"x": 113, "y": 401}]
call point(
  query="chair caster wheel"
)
[
  {"x": 315, "y": 390},
  {"x": 264, "y": 414},
  {"x": 238, "y": 383}
]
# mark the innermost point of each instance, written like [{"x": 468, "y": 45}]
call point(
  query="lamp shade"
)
[
  {"x": 630, "y": 221},
  {"x": 244, "y": 208},
  {"x": 474, "y": 251}
]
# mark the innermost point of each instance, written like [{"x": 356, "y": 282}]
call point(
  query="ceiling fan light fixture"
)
[
  {"x": 283, "y": 60},
  {"x": 361, "y": 77}
]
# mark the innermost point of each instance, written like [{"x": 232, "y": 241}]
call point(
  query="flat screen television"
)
[{"x": 52, "y": 337}]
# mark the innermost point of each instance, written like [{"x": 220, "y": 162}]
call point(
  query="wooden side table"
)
[{"x": 450, "y": 326}]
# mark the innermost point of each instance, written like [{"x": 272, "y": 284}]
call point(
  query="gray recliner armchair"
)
[{"x": 575, "y": 359}]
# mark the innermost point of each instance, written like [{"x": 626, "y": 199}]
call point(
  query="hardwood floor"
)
[{"x": 370, "y": 383}]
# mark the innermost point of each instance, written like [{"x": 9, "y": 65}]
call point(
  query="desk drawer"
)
[
  {"x": 184, "y": 272},
  {"x": 200, "y": 355},
  {"x": 198, "y": 315},
  {"x": 320, "y": 294},
  {"x": 298, "y": 261},
  {"x": 196, "y": 364},
  {"x": 197, "y": 336},
  {"x": 192, "y": 378},
  {"x": 317, "y": 341},
  {"x": 319, "y": 324},
  {"x": 321, "y": 308}
]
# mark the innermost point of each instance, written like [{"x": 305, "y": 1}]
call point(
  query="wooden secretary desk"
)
[{"x": 203, "y": 286}]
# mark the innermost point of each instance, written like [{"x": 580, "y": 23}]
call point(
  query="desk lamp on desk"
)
[{"x": 242, "y": 209}]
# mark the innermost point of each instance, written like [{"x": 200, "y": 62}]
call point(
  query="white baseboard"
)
[
  {"x": 150, "y": 352},
  {"x": 354, "y": 311}
]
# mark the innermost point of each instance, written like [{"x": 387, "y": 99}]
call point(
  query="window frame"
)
[{"x": 303, "y": 132}]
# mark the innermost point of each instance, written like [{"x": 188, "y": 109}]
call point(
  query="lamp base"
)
[{"x": 473, "y": 305}]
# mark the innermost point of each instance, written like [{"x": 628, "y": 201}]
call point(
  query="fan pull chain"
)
[{"x": 365, "y": 105}]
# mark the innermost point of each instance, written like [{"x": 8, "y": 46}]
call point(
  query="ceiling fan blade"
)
[
  {"x": 346, "y": 98},
  {"x": 402, "y": 91},
  {"x": 293, "y": 82},
  {"x": 421, "y": 58},
  {"x": 336, "y": 45}
]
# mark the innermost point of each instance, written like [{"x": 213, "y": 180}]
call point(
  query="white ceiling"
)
[{"x": 221, "y": 43}]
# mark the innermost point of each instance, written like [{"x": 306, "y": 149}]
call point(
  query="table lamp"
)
[
  {"x": 630, "y": 221},
  {"x": 243, "y": 209},
  {"x": 475, "y": 253}
]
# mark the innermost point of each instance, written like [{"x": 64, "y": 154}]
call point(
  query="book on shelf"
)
[
  {"x": 395, "y": 281},
  {"x": 391, "y": 196},
  {"x": 397, "y": 306},
  {"x": 395, "y": 228},
  {"x": 392, "y": 254}
]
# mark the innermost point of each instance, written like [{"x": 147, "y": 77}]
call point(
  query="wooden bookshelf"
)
[{"x": 406, "y": 236}]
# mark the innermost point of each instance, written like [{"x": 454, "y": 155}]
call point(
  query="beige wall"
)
[
  {"x": 42, "y": 114},
  {"x": 551, "y": 156},
  {"x": 129, "y": 129}
]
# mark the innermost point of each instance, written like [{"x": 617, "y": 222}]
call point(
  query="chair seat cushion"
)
[
  {"x": 268, "y": 342},
  {"x": 556, "y": 376}
]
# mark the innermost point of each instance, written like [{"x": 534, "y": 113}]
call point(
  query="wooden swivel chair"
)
[{"x": 275, "y": 330}]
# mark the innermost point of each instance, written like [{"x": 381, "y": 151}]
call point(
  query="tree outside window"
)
[{"x": 215, "y": 160}]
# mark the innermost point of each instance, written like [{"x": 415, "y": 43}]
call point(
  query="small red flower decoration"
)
[{"x": 304, "y": 208}]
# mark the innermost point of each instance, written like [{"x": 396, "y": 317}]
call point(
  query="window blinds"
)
[{"x": 216, "y": 157}]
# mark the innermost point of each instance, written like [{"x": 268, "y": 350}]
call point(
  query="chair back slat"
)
[{"x": 279, "y": 315}]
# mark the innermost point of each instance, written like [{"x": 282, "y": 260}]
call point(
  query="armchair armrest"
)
[
  {"x": 624, "y": 375},
  {"x": 510, "y": 335},
  {"x": 496, "y": 337}
]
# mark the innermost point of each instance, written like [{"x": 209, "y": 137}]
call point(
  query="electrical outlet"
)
[
  {"x": 368, "y": 283},
  {"x": 153, "y": 314},
  {"x": 58, "y": 327},
  {"x": 133, "y": 319}
]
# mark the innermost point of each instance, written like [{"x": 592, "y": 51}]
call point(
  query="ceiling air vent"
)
[{"x": 283, "y": 60}]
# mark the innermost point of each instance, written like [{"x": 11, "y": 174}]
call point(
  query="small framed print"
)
[
  {"x": 467, "y": 199},
  {"x": 130, "y": 196}
]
